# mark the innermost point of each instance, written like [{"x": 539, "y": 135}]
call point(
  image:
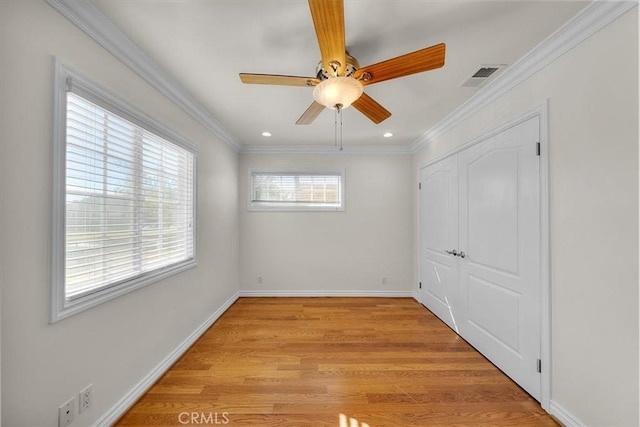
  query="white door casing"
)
[{"x": 487, "y": 198}]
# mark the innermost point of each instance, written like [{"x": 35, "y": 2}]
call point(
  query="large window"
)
[
  {"x": 125, "y": 191},
  {"x": 287, "y": 191}
]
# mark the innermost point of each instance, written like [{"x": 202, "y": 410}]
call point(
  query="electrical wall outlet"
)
[
  {"x": 66, "y": 412},
  {"x": 260, "y": 279},
  {"x": 85, "y": 398}
]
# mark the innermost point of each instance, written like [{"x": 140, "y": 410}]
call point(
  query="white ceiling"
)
[{"x": 204, "y": 44}]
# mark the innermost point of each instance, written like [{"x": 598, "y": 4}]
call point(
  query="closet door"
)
[
  {"x": 499, "y": 225},
  {"x": 439, "y": 233}
]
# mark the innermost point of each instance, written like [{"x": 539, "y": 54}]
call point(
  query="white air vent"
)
[{"x": 482, "y": 74}]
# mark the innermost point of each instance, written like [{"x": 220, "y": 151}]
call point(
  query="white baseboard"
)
[
  {"x": 563, "y": 416},
  {"x": 382, "y": 294},
  {"x": 119, "y": 409}
]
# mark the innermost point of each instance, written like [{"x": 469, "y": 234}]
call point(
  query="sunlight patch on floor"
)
[{"x": 350, "y": 422}]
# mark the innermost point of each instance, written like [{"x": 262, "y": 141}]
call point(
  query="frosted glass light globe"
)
[{"x": 337, "y": 90}]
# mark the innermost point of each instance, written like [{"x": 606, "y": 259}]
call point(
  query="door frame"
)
[{"x": 545, "y": 260}]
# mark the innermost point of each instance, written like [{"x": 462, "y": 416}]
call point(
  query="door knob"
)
[{"x": 461, "y": 254}]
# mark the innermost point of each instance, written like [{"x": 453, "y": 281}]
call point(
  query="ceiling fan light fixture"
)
[{"x": 337, "y": 91}]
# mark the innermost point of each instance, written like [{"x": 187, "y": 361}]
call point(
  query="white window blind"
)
[
  {"x": 129, "y": 200},
  {"x": 296, "y": 191},
  {"x": 124, "y": 204}
]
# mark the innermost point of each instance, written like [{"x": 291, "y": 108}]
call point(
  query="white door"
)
[
  {"x": 499, "y": 226},
  {"x": 439, "y": 233}
]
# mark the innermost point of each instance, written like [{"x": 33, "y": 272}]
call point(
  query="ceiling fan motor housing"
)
[{"x": 352, "y": 66}]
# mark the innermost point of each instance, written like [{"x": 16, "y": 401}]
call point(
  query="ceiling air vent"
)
[{"x": 481, "y": 75}]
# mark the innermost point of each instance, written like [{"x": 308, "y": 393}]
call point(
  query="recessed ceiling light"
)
[
  {"x": 388, "y": 135},
  {"x": 267, "y": 134}
]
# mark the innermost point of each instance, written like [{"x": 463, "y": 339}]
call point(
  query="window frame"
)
[
  {"x": 264, "y": 207},
  {"x": 61, "y": 306}
]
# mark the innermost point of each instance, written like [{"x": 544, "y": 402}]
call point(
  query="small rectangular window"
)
[
  {"x": 291, "y": 191},
  {"x": 125, "y": 199}
]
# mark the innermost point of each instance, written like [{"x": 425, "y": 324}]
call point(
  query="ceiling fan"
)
[{"x": 339, "y": 80}]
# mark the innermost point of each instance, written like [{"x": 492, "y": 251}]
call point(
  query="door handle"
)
[{"x": 453, "y": 252}]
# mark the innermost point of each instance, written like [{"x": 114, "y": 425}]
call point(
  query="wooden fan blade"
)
[
  {"x": 310, "y": 115},
  {"x": 370, "y": 108},
  {"x": 425, "y": 59},
  {"x": 328, "y": 20},
  {"x": 274, "y": 79}
]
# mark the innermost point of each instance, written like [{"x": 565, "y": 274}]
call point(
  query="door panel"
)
[
  {"x": 439, "y": 232},
  {"x": 492, "y": 182},
  {"x": 499, "y": 232},
  {"x": 502, "y": 325}
]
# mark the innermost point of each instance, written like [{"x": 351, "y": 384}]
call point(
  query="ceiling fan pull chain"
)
[
  {"x": 340, "y": 114},
  {"x": 335, "y": 128}
]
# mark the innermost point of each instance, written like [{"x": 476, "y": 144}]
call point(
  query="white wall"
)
[
  {"x": 594, "y": 227},
  {"x": 117, "y": 343},
  {"x": 593, "y": 137},
  {"x": 332, "y": 251}
]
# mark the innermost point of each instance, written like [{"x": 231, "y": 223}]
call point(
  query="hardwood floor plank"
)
[{"x": 334, "y": 362}]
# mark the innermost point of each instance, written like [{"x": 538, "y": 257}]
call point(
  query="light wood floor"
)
[{"x": 332, "y": 361}]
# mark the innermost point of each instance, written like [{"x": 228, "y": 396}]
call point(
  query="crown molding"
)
[
  {"x": 587, "y": 22},
  {"x": 323, "y": 149},
  {"x": 90, "y": 20}
]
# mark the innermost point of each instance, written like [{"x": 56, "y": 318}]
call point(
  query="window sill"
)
[{"x": 63, "y": 308}]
